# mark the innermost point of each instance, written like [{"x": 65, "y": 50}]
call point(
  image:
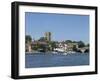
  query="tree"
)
[
  {"x": 39, "y": 47},
  {"x": 74, "y": 41},
  {"x": 88, "y": 45},
  {"x": 52, "y": 45},
  {"x": 68, "y": 41},
  {"x": 36, "y": 46},
  {"x": 42, "y": 39},
  {"x": 81, "y": 44},
  {"x": 28, "y": 38}
]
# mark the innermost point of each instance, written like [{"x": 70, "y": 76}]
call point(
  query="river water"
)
[{"x": 36, "y": 60}]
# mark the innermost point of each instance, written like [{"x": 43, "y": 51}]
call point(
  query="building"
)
[
  {"x": 61, "y": 47},
  {"x": 48, "y": 36},
  {"x": 28, "y": 47},
  {"x": 70, "y": 46}
]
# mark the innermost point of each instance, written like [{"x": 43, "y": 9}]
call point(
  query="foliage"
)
[
  {"x": 88, "y": 45},
  {"x": 28, "y": 38},
  {"x": 38, "y": 47},
  {"x": 52, "y": 45},
  {"x": 68, "y": 41},
  {"x": 42, "y": 39},
  {"x": 81, "y": 44}
]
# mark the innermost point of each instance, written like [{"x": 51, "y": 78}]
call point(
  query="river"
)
[{"x": 36, "y": 60}]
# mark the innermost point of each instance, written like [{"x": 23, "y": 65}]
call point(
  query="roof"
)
[{"x": 39, "y": 42}]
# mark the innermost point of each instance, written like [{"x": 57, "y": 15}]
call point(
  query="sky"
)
[{"x": 62, "y": 26}]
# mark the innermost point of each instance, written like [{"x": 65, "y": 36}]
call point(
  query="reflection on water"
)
[{"x": 34, "y": 60}]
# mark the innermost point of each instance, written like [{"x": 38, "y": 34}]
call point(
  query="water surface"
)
[{"x": 34, "y": 60}]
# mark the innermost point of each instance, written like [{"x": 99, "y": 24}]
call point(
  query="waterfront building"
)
[
  {"x": 61, "y": 47},
  {"x": 70, "y": 46}
]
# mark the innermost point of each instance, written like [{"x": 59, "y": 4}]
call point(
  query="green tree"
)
[
  {"x": 88, "y": 45},
  {"x": 74, "y": 41},
  {"x": 42, "y": 39},
  {"x": 81, "y": 44},
  {"x": 43, "y": 47},
  {"x": 28, "y": 39},
  {"x": 35, "y": 47},
  {"x": 68, "y": 41},
  {"x": 52, "y": 45},
  {"x": 39, "y": 47}
]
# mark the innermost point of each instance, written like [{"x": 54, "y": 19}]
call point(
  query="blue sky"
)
[{"x": 62, "y": 26}]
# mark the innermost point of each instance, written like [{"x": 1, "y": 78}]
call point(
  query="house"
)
[{"x": 61, "y": 47}]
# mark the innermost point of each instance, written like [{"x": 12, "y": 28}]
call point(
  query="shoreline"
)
[{"x": 53, "y": 52}]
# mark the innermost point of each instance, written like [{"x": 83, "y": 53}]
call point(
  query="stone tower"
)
[{"x": 48, "y": 36}]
